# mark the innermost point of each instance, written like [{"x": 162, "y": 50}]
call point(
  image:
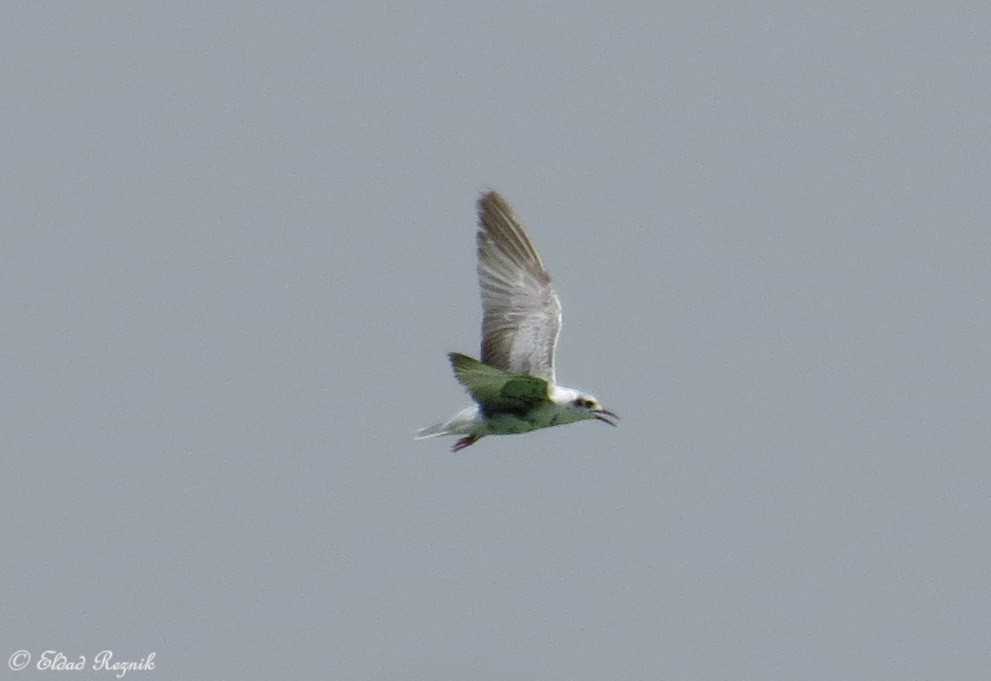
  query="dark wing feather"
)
[{"x": 496, "y": 390}]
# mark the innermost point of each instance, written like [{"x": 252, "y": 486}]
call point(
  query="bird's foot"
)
[{"x": 466, "y": 441}]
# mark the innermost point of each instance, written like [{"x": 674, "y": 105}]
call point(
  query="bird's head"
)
[{"x": 581, "y": 405}]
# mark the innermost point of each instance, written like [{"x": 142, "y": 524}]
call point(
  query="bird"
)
[{"x": 513, "y": 385}]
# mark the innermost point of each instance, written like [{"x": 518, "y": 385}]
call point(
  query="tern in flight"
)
[{"x": 513, "y": 385}]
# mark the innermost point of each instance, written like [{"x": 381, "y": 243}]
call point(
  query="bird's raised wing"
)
[
  {"x": 521, "y": 315},
  {"x": 496, "y": 390}
]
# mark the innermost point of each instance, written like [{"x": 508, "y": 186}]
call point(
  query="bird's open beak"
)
[{"x": 606, "y": 416}]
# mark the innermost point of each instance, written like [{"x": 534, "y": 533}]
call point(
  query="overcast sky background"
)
[{"x": 238, "y": 240}]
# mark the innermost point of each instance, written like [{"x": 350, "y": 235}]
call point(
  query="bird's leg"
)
[{"x": 466, "y": 441}]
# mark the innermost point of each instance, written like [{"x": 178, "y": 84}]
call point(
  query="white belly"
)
[{"x": 544, "y": 416}]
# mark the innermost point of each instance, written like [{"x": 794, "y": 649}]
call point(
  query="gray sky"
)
[{"x": 238, "y": 241}]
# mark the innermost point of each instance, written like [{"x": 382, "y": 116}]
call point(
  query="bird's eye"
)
[{"x": 583, "y": 403}]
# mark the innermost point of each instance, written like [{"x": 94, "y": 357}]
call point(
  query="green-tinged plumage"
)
[
  {"x": 514, "y": 386},
  {"x": 497, "y": 390}
]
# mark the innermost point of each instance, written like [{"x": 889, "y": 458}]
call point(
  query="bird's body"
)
[{"x": 514, "y": 384}]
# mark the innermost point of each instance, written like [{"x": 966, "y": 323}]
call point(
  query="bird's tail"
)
[
  {"x": 431, "y": 431},
  {"x": 462, "y": 423}
]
